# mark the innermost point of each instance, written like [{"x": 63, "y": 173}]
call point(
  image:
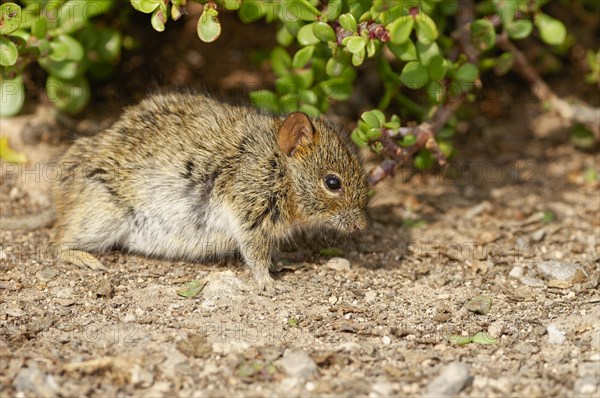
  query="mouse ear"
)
[{"x": 296, "y": 130}]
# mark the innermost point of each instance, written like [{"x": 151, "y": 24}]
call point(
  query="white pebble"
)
[{"x": 555, "y": 336}]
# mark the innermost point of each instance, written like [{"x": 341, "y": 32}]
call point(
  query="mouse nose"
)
[{"x": 359, "y": 224}]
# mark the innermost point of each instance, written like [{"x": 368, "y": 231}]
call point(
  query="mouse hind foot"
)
[{"x": 81, "y": 259}]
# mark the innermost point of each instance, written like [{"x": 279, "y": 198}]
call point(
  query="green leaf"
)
[
  {"x": 265, "y": 99},
  {"x": 232, "y": 4},
  {"x": 145, "y": 6},
  {"x": 437, "y": 68},
  {"x": 209, "y": 27},
  {"x": 336, "y": 89},
  {"x": 8, "y": 154},
  {"x": 191, "y": 289},
  {"x": 336, "y": 65},
  {"x": 8, "y": 52},
  {"x": 64, "y": 70},
  {"x": 70, "y": 96},
  {"x": 436, "y": 92},
  {"x": 323, "y": 31},
  {"x": 355, "y": 44},
  {"x": 414, "y": 75},
  {"x": 12, "y": 96},
  {"x": 408, "y": 140},
  {"x": 66, "y": 48},
  {"x": 306, "y": 37},
  {"x": 348, "y": 22},
  {"x": 374, "y": 133},
  {"x": 303, "y": 56},
  {"x": 424, "y": 160},
  {"x": 280, "y": 61},
  {"x": 404, "y": 52},
  {"x": 310, "y": 110},
  {"x": 373, "y": 118},
  {"x": 358, "y": 58},
  {"x": 301, "y": 9},
  {"x": 504, "y": 63},
  {"x": 483, "y": 34},
  {"x": 400, "y": 29},
  {"x": 467, "y": 73},
  {"x": 426, "y": 29},
  {"x": 483, "y": 338},
  {"x": 518, "y": 30},
  {"x": 39, "y": 28},
  {"x": 252, "y": 10},
  {"x": 74, "y": 13},
  {"x": 284, "y": 37},
  {"x": 552, "y": 31},
  {"x": 427, "y": 51},
  {"x": 158, "y": 20},
  {"x": 10, "y": 18}
]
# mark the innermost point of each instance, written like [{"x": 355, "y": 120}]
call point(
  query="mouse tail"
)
[{"x": 28, "y": 222}]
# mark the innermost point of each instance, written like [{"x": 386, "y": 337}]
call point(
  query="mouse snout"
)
[{"x": 356, "y": 221}]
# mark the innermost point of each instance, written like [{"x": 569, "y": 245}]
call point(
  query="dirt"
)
[{"x": 382, "y": 320}]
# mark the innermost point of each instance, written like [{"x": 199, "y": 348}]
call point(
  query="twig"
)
[
  {"x": 426, "y": 131},
  {"x": 570, "y": 112},
  {"x": 425, "y": 138}
]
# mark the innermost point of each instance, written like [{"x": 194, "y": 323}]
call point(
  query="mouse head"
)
[{"x": 329, "y": 182}]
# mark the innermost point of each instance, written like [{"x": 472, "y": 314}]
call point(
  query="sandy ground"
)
[
  {"x": 514, "y": 223},
  {"x": 517, "y": 226}
]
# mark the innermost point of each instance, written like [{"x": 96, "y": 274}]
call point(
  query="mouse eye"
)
[{"x": 332, "y": 182}]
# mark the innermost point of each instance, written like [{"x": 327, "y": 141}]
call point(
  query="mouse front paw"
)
[{"x": 266, "y": 286}]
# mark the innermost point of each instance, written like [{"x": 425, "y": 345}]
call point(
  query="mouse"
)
[{"x": 184, "y": 176}]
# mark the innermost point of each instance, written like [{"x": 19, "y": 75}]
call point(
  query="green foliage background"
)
[{"x": 410, "y": 43}]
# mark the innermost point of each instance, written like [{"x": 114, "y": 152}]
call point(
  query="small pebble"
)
[
  {"x": 555, "y": 336},
  {"x": 332, "y": 300},
  {"x": 297, "y": 364},
  {"x": 533, "y": 282},
  {"x": 46, "y": 274},
  {"x": 517, "y": 272},
  {"x": 450, "y": 381},
  {"x": 338, "y": 264},
  {"x": 370, "y": 296},
  {"x": 479, "y": 305},
  {"x": 386, "y": 340},
  {"x": 562, "y": 271}
]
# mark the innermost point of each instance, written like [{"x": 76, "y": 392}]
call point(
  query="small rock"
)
[
  {"x": 46, "y": 274},
  {"x": 370, "y": 296},
  {"x": 555, "y": 336},
  {"x": 527, "y": 348},
  {"x": 533, "y": 282},
  {"x": 2, "y": 255},
  {"x": 383, "y": 389},
  {"x": 332, "y": 300},
  {"x": 338, "y": 264},
  {"x": 478, "y": 209},
  {"x": 586, "y": 385},
  {"x": 517, "y": 272},
  {"x": 386, "y": 340},
  {"x": 450, "y": 382},
  {"x": 14, "y": 311},
  {"x": 64, "y": 293},
  {"x": 538, "y": 235},
  {"x": 297, "y": 364},
  {"x": 32, "y": 379},
  {"x": 562, "y": 271},
  {"x": 223, "y": 285},
  {"x": 559, "y": 284},
  {"x": 105, "y": 289},
  {"x": 479, "y": 305}
]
